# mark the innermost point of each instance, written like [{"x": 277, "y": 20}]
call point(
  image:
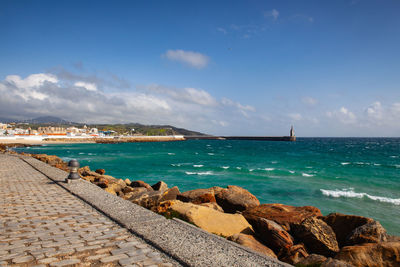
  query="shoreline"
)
[
  {"x": 291, "y": 234},
  {"x": 89, "y": 140}
]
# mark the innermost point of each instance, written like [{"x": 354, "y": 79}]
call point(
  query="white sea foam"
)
[
  {"x": 394, "y": 157},
  {"x": 81, "y": 153},
  {"x": 200, "y": 173},
  {"x": 269, "y": 169},
  {"x": 397, "y": 166},
  {"x": 377, "y": 164},
  {"x": 274, "y": 162},
  {"x": 345, "y": 163},
  {"x": 91, "y": 154},
  {"x": 171, "y": 153},
  {"x": 225, "y": 167},
  {"x": 309, "y": 167},
  {"x": 239, "y": 168},
  {"x": 307, "y": 175},
  {"x": 251, "y": 170},
  {"x": 211, "y": 154},
  {"x": 198, "y": 166},
  {"x": 351, "y": 194},
  {"x": 176, "y": 165},
  {"x": 291, "y": 171}
]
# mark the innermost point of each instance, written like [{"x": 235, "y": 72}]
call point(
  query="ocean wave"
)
[
  {"x": 81, "y": 153},
  {"x": 211, "y": 154},
  {"x": 200, "y": 173},
  {"x": 345, "y": 163},
  {"x": 171, "y": 153},
  {"x": 274, "y": 162},
  {"x": 238, "y": 168},
  {"x": 269, "y": 169},
  {"x": 351, "y": 194},
  {"x": 291, "y": 171},
  {"x": 307, "y": 175},
  {"x": 394, "y": 157},
  {"x": 198, "y": 166},
  {"x": 225, "y": 167},
  {"x": 176, "y": 165}
]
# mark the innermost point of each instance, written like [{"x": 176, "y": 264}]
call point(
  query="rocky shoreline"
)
[{"x": 301, "y": 236}]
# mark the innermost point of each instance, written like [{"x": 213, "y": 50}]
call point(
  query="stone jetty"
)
[
  {"x": 47, "y": 222},
  {"x": 227, "y": 226}
]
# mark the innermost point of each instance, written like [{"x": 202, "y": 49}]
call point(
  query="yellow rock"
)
[
  {"x": 110, "y": 190},
  {"x": 211, "y": 220}
]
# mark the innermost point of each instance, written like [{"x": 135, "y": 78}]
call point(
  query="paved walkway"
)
[{"x": 41, "y": 224}]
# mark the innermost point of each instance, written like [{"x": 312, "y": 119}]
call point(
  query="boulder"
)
[
  {"x": 335, "y": 263},
  {"x": 317, "y": 236},
  {"x": 141, "y": 184},
  {"x": 101, "y": 182},
  {"x": 294, "y": 254},
  {"x": 52, "y": 160},
  {"x": 282, "y": 214},
  {"x": 134, "y": 192},
  {"x": 235, "y": 198},
  {"x": 147, "y": 199},
  {"x": 84, "y": 169},
  {"x": 343, "y": 225},
  {"x": 251, "y": 242},
  {"x": 170, "y": 194},
  {"x": 312, "y": 260},
  {"x": 211, "y": 220},
  {"x": 271, "y": 234},
  {"x": 368, "y": 233},
  {"x": 89, "y": 178},
  {"x": 127, "y": 181},
  {"x": 371, "y": 254},
  {"x": 100, "y": 171},
  {"x": 198, "y": 196},
  {"x": 110, "y": 190},
  {"x": 160, "y": 186},
  {"x": 212, "y": 205}
]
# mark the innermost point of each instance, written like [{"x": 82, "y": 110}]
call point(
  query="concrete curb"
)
[{"x": 185, "y": 243}]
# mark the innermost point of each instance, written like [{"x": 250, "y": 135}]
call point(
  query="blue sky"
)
[{"x": 330, "y": 68}]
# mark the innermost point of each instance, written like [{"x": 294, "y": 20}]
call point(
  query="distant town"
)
[{"x": 51, "y": 128}]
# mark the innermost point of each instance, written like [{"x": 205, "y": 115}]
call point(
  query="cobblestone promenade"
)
[{"x": 41, "y": 224}]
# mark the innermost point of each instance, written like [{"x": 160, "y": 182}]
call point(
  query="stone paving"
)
[{"x": 41, "y": 224}]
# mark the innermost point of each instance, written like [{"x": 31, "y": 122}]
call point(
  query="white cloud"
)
[
  {"x": 274, "y": 14},
  {"x": 185, "y": 95},
  {"x": 31, "y": 81},
  {"x": 295, "y": 116},
  {"x": 309, "y": 101},
  {"x": 343, "y": 115},
  {"x": 243, "y": 109},
  {"x": 375, "y": 111},
  {"x": 193, "y": 59},
  {"x": 87, "y": 86}
]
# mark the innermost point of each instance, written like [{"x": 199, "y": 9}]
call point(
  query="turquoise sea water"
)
[{"x": 349, "y": 175}]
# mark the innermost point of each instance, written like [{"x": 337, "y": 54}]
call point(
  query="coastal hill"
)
[{"x": 127, "y": 128}]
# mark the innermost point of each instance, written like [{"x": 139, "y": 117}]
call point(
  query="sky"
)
[{"x": 330, "y": 68}]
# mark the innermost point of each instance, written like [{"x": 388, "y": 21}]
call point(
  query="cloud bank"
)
[{"x": 74, "y": 100}]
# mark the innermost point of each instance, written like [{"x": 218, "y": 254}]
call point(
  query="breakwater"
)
[
  {"x": 249, "y": 138},
  {"x": 296, "y": 235}
]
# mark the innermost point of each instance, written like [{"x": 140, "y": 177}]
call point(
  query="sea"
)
[{"x": 358, "y": 176}]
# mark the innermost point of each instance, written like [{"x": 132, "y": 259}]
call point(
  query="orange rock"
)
[
  {"x": 343, "y": 225},
  {"x": 294, "y": 254},
  {"x": 235, "y": 198},
  {"x": 371, "y": 254},
  {"x": 251, "y": 242},
  {"x": 282, "y": 214},
  {"x": 317, "y": 236}
]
